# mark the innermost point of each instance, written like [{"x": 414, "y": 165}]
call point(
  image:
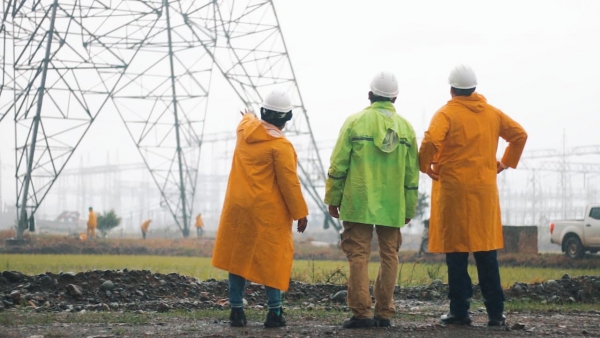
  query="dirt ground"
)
[
  {"x": 421, "y": 323},
  {"x": 137, "y": 303}
]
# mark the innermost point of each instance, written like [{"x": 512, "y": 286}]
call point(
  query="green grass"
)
[{"x": 409, "y": 274}]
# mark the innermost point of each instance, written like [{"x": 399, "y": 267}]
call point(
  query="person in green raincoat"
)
[{"x": 373, "y": 180}]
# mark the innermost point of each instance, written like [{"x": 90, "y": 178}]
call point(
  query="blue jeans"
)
[
  {"x": 237, "y": 286},
  {"x": 460, "y": 288}
]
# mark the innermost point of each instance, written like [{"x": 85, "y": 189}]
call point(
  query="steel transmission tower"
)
[
  {"x": 152, "y": 61},
  {"x": 56, "y": 79},
  {"x": 250, "y": 52}
]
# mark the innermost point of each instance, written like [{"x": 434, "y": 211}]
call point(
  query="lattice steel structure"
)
[{"x": 151, "y": 62}]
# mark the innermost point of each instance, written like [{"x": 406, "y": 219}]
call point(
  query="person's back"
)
[
  {"x": 199, "y": 225},
  {"x": 373, "y": 181},
  {"x": 381, "y": 143},
  {"x": 199, "y": 222},
  {"x": 254, "y": 239},
  {"x": 468, "y": 129},
  {"x": 145, "y": 225},
  {"x": 468, "y": 155},
  {"x": 259, "y": 146},
  {"x": 459, "y": 154},
  {"x": 92, "y": 223}
]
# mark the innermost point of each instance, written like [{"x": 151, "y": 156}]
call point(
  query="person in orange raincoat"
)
[
  {"x": 199, "y": 225},
  {"x": 254, "y": 239},
  {"x": 145, "y": 227},
  {"x": 92, "y": 223},
  {"x": 459, "y": 154}
]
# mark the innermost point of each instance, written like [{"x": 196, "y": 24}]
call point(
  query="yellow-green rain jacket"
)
[{"x": 374, "y": 172}]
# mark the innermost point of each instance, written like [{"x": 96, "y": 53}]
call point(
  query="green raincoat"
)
[{"x": 374, "y": 172}]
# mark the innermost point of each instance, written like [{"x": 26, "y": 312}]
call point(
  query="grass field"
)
[{"x": 304, "y": 270}]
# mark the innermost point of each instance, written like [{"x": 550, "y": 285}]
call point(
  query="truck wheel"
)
[{"x": 573, "y": 248}]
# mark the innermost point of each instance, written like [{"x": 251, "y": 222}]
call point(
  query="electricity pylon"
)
[{"x": 152, "y": 62}]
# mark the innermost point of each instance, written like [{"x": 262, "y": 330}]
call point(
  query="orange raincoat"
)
[
  {"x": 199, "y": 222},
  {"x": 463, "y": 140},
  {"x": 146, "y": 225},
  {"x": 254, "y": 239}
]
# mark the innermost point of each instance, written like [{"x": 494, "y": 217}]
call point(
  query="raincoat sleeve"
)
[
  {"x": 286, "y": 164},
  {"x": 434, "y": 136},
  {"x": 516, "y": 137},
  {"x": 411, "y": 179},
  {"x": 338, "y": 170}
]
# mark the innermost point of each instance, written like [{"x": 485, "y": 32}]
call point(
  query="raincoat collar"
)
[
  {"x": 384, "y": 107},
  {"x": 474, "y": 102},
  {"x": 255, "y": 130}
]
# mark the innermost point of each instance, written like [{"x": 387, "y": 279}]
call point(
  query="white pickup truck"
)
[{"x": 578, "y": 236}]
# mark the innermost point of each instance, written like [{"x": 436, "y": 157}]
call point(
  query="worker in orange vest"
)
[
  {"x": 92, "y": 223},
  {"x": 199, "y": 225},
  {"x": 145, "y": 226}
]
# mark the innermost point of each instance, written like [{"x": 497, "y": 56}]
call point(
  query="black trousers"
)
[{"x": 461, "y": 288}]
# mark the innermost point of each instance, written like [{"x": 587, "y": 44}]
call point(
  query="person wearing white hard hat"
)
[
  {"x": 373, "y": 181},
  {"x": 254, "y": 239},
  {"x": 459, "y": 153}
]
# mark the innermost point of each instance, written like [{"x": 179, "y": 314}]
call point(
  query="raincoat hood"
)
[
  {"x": 255, "y": 130},
  {"x": 386, "y": 131},
  {"x": 474, "y": 102}
]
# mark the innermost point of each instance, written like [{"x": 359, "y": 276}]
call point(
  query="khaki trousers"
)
[{"x": 356, "y": 244}]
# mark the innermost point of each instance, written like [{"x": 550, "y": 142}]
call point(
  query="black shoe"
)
[
  {"x": 452, "y": 319},
  {"x": 380, "y": 322},
  {"x": 499, "y": 321},
  {"x": 237, "y": 317},
  {"x": 355, "y": 323},
  {"x": 274, "y": 319}
]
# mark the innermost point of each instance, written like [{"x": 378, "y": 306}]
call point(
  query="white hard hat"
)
[
  {"x": 462, "y": 77},
  {"x": 278, "y": 100},
  {"x": 385, "y": 84}
]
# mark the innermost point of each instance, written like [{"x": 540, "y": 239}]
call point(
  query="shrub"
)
[{"x": 107, "y": 221}]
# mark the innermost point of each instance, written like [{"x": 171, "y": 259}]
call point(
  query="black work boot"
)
[
  {"x": 380, "y": 322},
  {"x": 237, "y": 317},
  {"x": 274, "y": 319},
  {"x": 450, "y": 319},
  {"x": 497, "y": 320},
  {"x": 355, "y": 323}
]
